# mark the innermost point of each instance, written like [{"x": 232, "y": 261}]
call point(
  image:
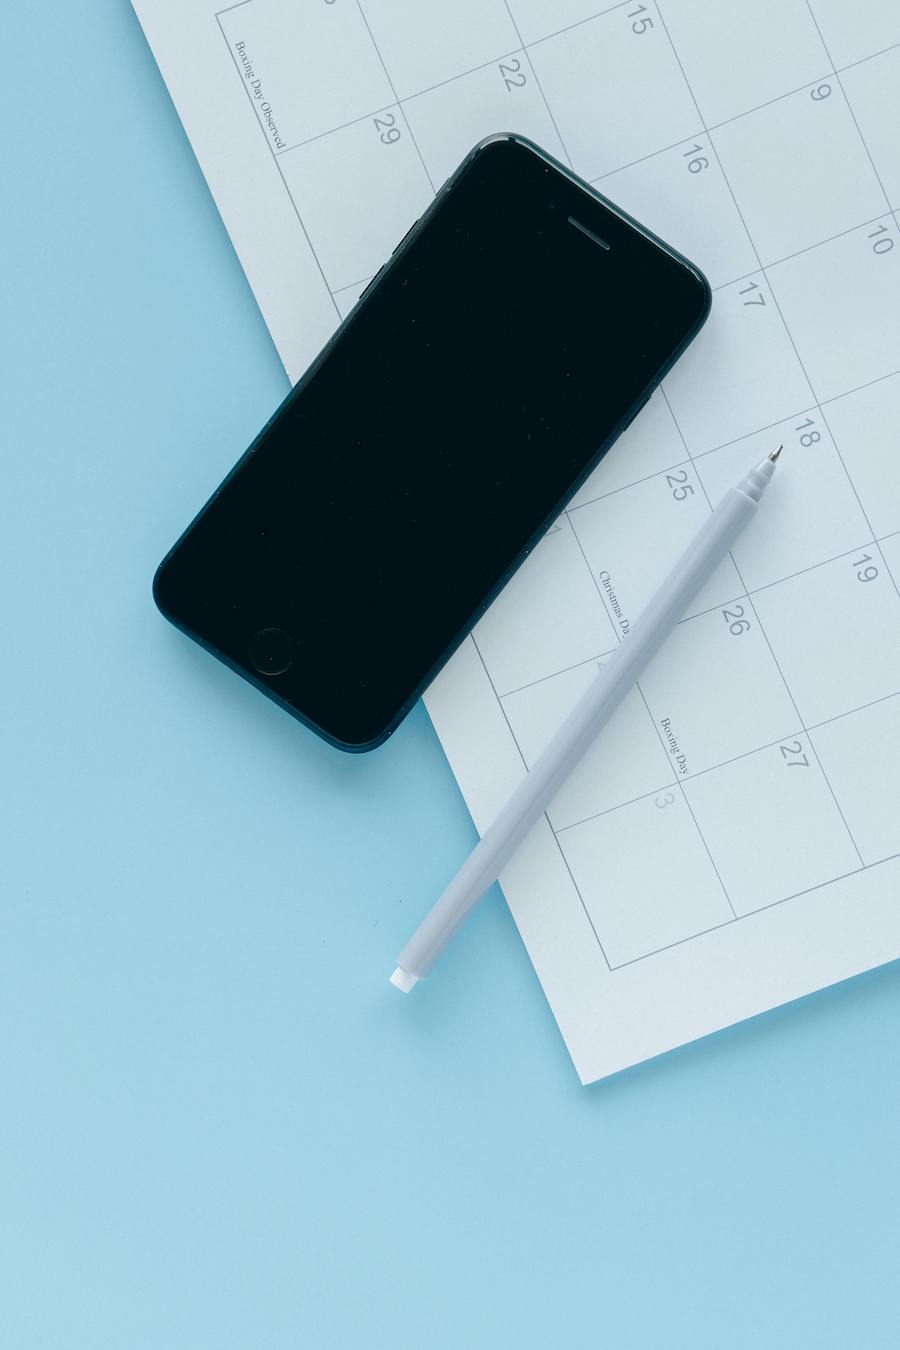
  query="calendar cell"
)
[
  {"x": 841, "y": 302},
  {"x": 632, "y": 539},
  {"x": 308, "y": 67},
  {"x": 683, "y": 196},
  {"x": 649, "y": 445},
  {"x": 618, "y": 854},
  {"x": 377, "y": 156},
  {"x": 604, "y": 122},
  {"x": 873, "y": 91},
  {"x": 835, "y": 631},
  {"x": 740, "y": 373},
  {"x": 814, "y": 487},
  {"x": 859, "y": 754},
  {"x": 535, "y": 19},
  {"x": 733, "y": 58},
  {"x": 625, "y": 762},
  {"x": 547, "y": 617},
  {"x": 799, "y": 170},
  {"x": 772, "y": 825},
  {"x": 423, "y": 42},
  {"x": 853, "y": 32},
  {"x": 865, "y": 428},
  {"x": 448, "y": 120},
  {"x": 716, "y": 692}
]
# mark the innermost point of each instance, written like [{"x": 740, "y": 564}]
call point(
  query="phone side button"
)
[
  {"x": 364, "y": 293},
  {"x": 405, "y": 237},
  {"x": 640, "y": 407}
]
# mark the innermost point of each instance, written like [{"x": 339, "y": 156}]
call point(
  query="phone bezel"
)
[{"x": 380, "y": 279}]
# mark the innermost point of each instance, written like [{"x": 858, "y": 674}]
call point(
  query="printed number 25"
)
[{"x": 678, "y": 482}]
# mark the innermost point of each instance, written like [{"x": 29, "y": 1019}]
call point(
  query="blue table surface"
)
[{"x": 219, "y": 1126}]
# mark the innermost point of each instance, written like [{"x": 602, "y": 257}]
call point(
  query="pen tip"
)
[{"x": 773, "y": 454}]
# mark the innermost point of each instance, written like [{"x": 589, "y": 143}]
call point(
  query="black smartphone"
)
[{"x": 515, "y": 331}]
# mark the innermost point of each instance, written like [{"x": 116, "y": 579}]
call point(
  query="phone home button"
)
[{"x": 272, "y": 651}]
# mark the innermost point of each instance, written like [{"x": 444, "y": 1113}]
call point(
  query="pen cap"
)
[{"x": 757, "y": 479}]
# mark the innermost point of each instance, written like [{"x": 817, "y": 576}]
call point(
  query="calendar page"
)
[{"x": 732, "y": 840}]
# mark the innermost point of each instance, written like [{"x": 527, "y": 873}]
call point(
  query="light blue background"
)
[{"x": 219, "y": 1127}]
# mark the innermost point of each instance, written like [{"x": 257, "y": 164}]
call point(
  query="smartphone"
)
[{"x": 516, "y": 330}]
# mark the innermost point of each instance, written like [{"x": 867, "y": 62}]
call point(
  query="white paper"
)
[{"x": 733, "y": 839}]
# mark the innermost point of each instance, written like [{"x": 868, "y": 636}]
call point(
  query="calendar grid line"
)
[
  {"x": 633, "y": 482},
  {"x": 228, "y": 8},
  {"x": 747, "y": 593},
  {"x": 546, "y": 102},
  {"x": 762, "y": 627},
  {"x": 772, "y": 653},
  {"x": 810, "y": 248},
  {"x": 633, "y": 163},
  {"x": 687, "y": 803},
  {"x": 630, "y": 801},
  {"x": 515, "y": 741},
  {"x": 390, "y": 81},
  {"x": 693, "y": 774},
  {"x": 637, "y": 685},
  {"x": 894, "y": 216},
  {"x": 845, "y": 393},
  {"x": 703, "y": 131},
  {"x": 750, "y": 913},
  {"x": 579, "y": 23},
  {"x": 499, "y": 700},
  {"x": 341, "y": 126},
  {"x": 863, "y": 141},
  {"x": 763, "y": 270},
  {"x": 578, "y": 892},
  {"x": 564, "y": 670},
  {"x": 364, "y": 281},
  {"x": 872, "y": 56},
  {"x": 294, "y": 206}
]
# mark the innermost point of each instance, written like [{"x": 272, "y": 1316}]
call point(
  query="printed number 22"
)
[{"x": 513, "y": 74}]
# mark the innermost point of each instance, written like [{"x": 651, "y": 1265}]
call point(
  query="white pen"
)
[{"x": 578, "y": 732}]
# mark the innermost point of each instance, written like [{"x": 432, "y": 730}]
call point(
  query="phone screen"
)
[{"x": 455, "y": 412}]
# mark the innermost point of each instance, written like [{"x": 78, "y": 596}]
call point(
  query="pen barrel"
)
[{"x": 578, "y": 732}]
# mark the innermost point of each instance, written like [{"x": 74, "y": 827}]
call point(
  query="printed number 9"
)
[{"x": 821, "y": 91}]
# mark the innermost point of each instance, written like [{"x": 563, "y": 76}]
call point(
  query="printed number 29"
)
[{"x": 386, "y": 126}]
